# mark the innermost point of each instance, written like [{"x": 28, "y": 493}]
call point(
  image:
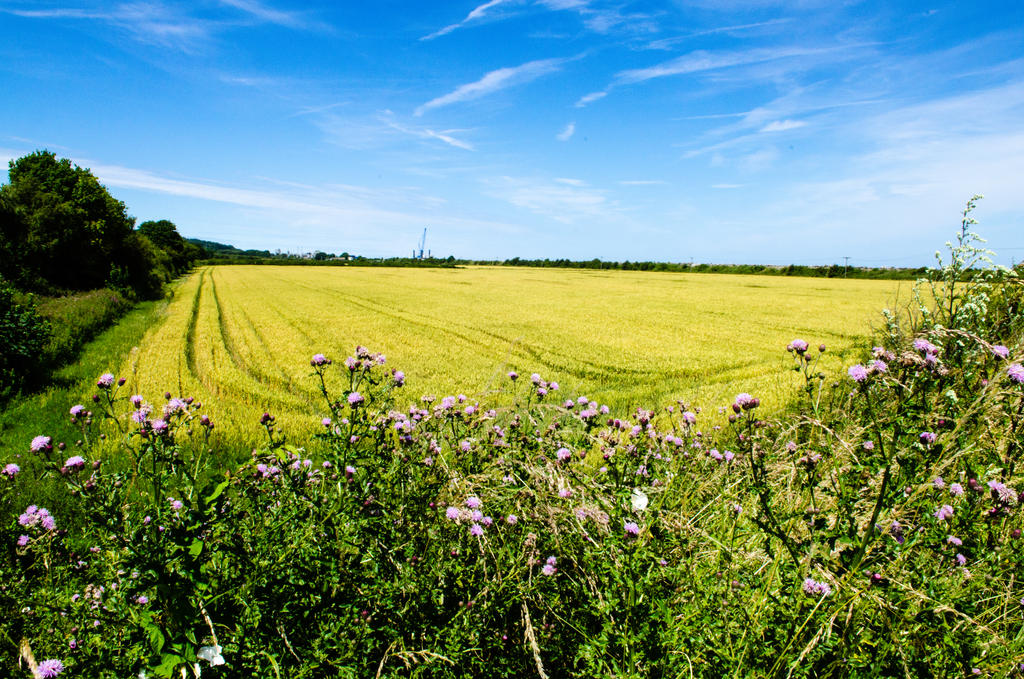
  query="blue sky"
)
[{"x": 716, "y": 131}]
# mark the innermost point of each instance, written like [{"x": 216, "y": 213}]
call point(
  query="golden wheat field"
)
[{"x": 239, "y": 338}]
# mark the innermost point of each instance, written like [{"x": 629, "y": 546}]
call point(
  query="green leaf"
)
[
  {"x": 196, "y": 548},
  {"x": 217, "y": 491}
]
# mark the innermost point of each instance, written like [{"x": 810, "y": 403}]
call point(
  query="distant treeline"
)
[
  {"x": 832, "y": 271},
  {"x": 227, "y": 254}
]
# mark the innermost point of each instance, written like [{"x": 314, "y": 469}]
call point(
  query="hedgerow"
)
[{"x": 872, "y": 529}]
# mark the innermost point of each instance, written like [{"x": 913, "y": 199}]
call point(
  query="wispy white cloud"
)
[
  {"x": 168, "y": 25},
  {"x": 727, "y": 186},
  {"x": 701, "y": 60},
  {"x": 563, "y": 202},
  {"x": 643, "y": 182},
  {"x": 669, "y": 43},
  {"x": 427, "y": 133},
  {"x": 494, "y": 81},
  {"x": 569, "y": 181},
  {"x": 476, "y": 14},
  {"x": 566, "y": 133},
  {"x": 590, "y": 98},
  {"x": 783, "y": 125},
  {"x": 267, "y": 14}
]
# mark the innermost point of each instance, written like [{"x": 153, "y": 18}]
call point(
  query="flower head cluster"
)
[
  {"x": 1002, "y": 493},
  {"x": 41, "y": 444},
  {"x": 1015, "y": 371},
  {"x": 631, "y": 528},
  {"x": 49, "y": 668},
  {"x": 77, "y": 411},
  {"x": 10, "y": 470},
  {"x": 925, "y": 346},
  {"x": 858, "y": 373},
  {"x": 797, "y": 345},
  {"x": 319, "y": 360},
  {"x": 106, "y": 381},
  {"x": 927, "y": 437},
  {"x": 812, "y": 587},
  {"x": 1000, "y": 352},
  {"x": 943, "y": 513},
  {"x": 74, "y": 463},
  {"x": 550, "y": 566},
  {"x": 37, "y": 516}
]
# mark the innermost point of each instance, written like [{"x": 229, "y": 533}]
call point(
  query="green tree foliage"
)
[
  {"x": 164, "y": 235},
  {"x": 60, "y": 229}
]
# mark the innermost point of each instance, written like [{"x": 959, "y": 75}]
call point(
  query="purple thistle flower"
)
[
  {"x": 563, "y": 454},
  {"x": 75, "y": 462},
  {"x": 23, "y": 540},
  {"x": 513, "y": 375},
  {"x": 318, "y": 360},
  {"x": 159, "y": 426},
  {"x": 961, "y": 559},
  {"x": 548, "y": 570},
  {"x": 1003, "y": 493},
  {"x": 956, "y": 490},
  {"x": 473, "y": 502},
  {"x": 41, "y": 443},
  {"x": 399, "y": 378},
  {"x": 176, "y": 505},
  {"x": 858, "y": 373},
  {"x": 927, "y": 347},
  {"x": 868, "y": 445},
  {"x": 476, "y": 530},
  {"x": 477, "y": 516},
  {"x": 142, "y": 599},
  {"x": 812, "y": 587},
  {"x": 49, "y": 668},
  {"x": 11, "y": 470},
  {"x": 939, "y": 483},
  {"x": 77, "y": 411},
  {"x": 47, "y": 522},
  {"x": 137, "y": 400},
  {"x": 350, "y": 471},
  {"x": 355, "y": 398},
  {"x": 631, "y": 528},
  {"x": 326, "y": 421},
  {"x": 512, "y": 519},
  {"x": 1016, "y": 372},
  {"x": 798, "y": 345},
  {"x": 106, "y": 381},
  {"x": 452, "y": 513},
  {"x": 927, "y": 437},
  {"x": 535, "y": 378},
  {"x": 943, "y": 513},
  {"x": 999, "y": 351},
  {"x": 953, "y": 540}
]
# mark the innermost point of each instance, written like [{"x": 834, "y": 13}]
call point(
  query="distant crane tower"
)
[{"x": 423, "y": 242}]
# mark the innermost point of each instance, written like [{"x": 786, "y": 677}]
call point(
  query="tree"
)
[
  {"x": 61, "y": 228},
  {"x": 180, "y": 253}
]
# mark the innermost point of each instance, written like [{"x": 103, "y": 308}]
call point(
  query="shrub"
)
[
  {"x": 23, "y": 335},
  {"x": 76, "y": 319}
]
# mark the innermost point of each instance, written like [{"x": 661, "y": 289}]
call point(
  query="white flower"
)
[
  {"x": 639, "y": 500},
  {"x": 211, "y": 654}
]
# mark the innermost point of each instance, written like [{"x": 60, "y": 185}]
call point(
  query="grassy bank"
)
[{"x": 24, "y": 416}]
